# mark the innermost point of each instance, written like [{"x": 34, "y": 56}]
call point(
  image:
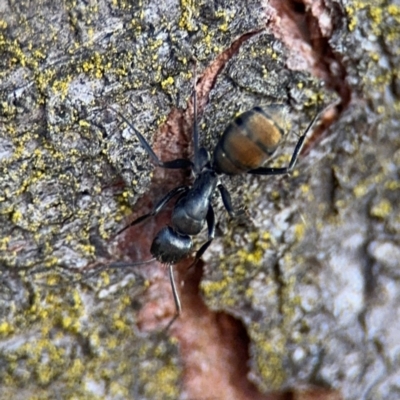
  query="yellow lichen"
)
[{"x": 382, "y": 210}]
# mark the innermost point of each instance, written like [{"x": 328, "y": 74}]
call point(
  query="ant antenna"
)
[
  {"x": 177, "y": 301},
  {"x": 97, "y": 270},
  {"x": 123, "y": 264}
]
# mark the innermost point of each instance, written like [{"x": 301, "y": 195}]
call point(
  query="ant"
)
[{"x": 247, "y": 142}]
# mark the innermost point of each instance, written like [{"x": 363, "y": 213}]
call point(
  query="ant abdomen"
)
[{"x": 248, "y": 141}]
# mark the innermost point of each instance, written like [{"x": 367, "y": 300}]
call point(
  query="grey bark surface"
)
[{"x": 313, "y": 274}]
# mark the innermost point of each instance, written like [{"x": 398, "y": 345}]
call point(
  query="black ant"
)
[{"x": 247, "y": 142}]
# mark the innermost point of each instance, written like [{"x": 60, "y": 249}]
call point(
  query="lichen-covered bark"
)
[
  {"x": 316, "y": 280},
  {"x": 312, "y": 275}
]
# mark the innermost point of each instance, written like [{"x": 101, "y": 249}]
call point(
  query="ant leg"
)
[
  {"x": 178, "y": 307},
  {"x": 159, "y": 206},
  {"x": 226, "y": 199},
  {"x": 293, "y": 160},
  {"x": 174, "y": 164},
  {"x": 201, "y": 156},
  {"x": 197, "y": 166},
  {"x": 211, "y": 235}
]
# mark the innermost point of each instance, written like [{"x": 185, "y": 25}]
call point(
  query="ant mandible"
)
[{"x": 247, "y": 142}]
